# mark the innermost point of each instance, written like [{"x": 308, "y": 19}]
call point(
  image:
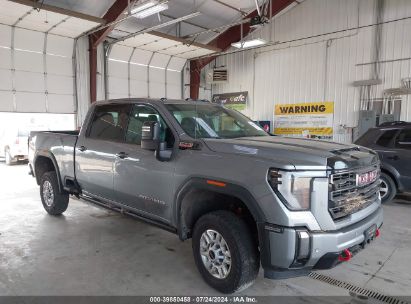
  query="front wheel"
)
[
  {"x": 388, "y": 188},
  {"x": 224, "y": 251},
  {"x": 54, "y": 202}
]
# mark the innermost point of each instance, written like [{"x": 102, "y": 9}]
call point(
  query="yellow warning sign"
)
[
  {"x": 310, "y": 120},
  {"x": 305, "y": 108}
]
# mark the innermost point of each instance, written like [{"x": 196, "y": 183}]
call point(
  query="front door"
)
[
  {"x": 140, "y": 180},
  {"x": 96, "y": 150}
]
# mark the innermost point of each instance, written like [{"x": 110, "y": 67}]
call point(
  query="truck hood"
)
[{"x": 299, "y": 153}]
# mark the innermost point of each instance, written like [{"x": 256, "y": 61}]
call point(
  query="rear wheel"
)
[
  {"x": 388, "y": 188},
  {"x": 54, "y": 202},
  {"x": 224, "y": 251}
]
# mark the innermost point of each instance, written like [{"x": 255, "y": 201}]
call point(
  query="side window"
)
[
  {"x": 403, "y": 140},
  {"x": 386, "y": 137},
  {"x": 109, "y": 122},
  {"x": 140, "y": 114}
]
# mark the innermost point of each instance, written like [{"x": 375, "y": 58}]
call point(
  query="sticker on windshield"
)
[{"x": 255, "y": 126}]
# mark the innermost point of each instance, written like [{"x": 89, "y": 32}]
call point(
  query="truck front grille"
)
[{"x": 346, "y": 197}]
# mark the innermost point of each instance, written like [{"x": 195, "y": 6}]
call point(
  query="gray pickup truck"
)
[{"x": 206, "y": 172}]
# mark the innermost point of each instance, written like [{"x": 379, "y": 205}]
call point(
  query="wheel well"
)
[
  {"x": 43, "y": 164},
  {"x": 198, "y": 202}
]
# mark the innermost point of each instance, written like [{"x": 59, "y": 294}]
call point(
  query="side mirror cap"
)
[{"x": 150, "y": 135}]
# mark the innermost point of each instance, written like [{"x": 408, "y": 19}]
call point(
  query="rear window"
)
[
  {"x": 109, "y": 122},
  {"x": 386, "y": 137},
  {"x": 404, "y": 139}
]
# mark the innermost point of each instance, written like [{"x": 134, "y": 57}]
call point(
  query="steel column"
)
[{"x": 114, "y": 12}]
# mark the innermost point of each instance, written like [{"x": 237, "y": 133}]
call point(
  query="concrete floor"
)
[{"x": 92, "y": 251}]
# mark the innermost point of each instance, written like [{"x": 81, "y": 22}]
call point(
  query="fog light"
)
[{"x": 303, "y": 248}]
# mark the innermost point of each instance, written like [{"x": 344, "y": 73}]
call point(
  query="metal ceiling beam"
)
[
  {"x": 113, "y": 13},
  {"x": 223, "y": 41},
  {"x": 156, "y": 27},
  {"x": 59, "y": 10}
]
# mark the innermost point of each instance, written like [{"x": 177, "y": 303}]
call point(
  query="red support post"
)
[
  {"x": 223, "y": 42},
  {"x": 113, "y": 13}
]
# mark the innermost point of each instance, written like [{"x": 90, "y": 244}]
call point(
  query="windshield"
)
[{"x": 213, "y": 121}]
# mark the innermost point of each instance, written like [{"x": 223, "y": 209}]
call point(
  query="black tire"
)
[
  {"x": 245, "y": 261},
  {"x": 389, "y": 186},
  {"x": 54, "y": 202},
  {"x": 8, "y": 158}
]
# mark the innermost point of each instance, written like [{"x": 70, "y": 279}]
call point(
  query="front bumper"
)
[{"x": 281, "y": 245}]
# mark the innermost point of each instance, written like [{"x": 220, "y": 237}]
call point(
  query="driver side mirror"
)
[{"x": 150, "y": 140}]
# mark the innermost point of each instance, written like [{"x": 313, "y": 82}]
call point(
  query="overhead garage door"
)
[
  {"x": 36, "y": 71},
  {"x": 134, "y": 72}
]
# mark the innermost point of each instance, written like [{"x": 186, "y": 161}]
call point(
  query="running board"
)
[{"x": 126, "y": 211}]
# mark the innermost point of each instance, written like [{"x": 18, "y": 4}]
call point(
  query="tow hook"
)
[
  {"x": 345, "y": 256},
  {"x": 377, "y": 233}
]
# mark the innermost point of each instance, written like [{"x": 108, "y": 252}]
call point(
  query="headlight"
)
[{"x": 292, "y": 187}]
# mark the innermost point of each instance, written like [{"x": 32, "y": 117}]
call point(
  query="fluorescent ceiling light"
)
[
  {"x": 143, "y": 6},
  {"x": 248, "y": 43},
  {"x": 149, "y": 8}
]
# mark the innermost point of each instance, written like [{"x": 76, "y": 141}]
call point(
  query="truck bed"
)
[{"x": 58, "y": 144}]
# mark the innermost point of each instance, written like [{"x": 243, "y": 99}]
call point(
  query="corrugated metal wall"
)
[{"x": 322, "y": 47}]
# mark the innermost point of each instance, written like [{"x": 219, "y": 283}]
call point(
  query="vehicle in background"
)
[
  {"x": 13, "y": 144},
  {"x": 206, "y": 172},
  {"x": 392, "y": 142}
]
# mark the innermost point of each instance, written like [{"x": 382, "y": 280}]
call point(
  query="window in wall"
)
[{"x": 109, "y": 122}]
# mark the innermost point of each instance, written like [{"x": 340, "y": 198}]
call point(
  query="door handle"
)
[
  {"x": 394, "y": 157},
  {"x": 82, "y": 148},
  {"x": 122, "y": 155}
]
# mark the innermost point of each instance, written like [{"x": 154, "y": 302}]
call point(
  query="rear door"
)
[
  {"x": 97, "y": 147},
  {"x": 401, "y": 159},
  {"x": 140, "y": 180}
]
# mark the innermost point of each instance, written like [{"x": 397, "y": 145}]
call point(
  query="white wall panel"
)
[
  {"x": 141, "y": 56},
  {"x": 28, "y": 61},
  {"x": 120, "y": 52},
  {"x": 5, "y": 58},
  {"x": 118, "y": 86},
  {"x": 22, "y": 76},
  {"x": 138, "y": 88},
  {"x": 309, "y": 63},
  {"x": 5, "y": 80},
  {"x": 139, "y": 73},
  {"x": 159, "y": 60},
  {"x": 176, "y": 63},
  {"x": 118, "y": 69},
  {"x": 29, "y": 40},
  {"x": 57, "y": 45},
  {"x": 29, "y": 82},
  {"x": 59, "y": 65},
  {"x": 60, "y": 84},
  {"x": 5, "y": 35},
  {"x": 6, "y": 104},
  {"x": 60, "y": 103},
  {"x": 30, "y": 102}
]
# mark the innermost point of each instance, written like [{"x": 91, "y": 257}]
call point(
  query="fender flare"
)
[
  {"x": 200, "y": 183},
  {"x": 50, "y": 156}
]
